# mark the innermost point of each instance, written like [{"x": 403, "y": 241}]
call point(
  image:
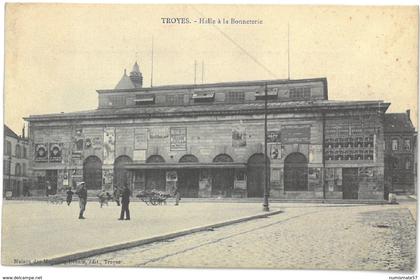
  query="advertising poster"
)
[
  {"x": 109, "y": 145},
  {"x": 275, "y": 151},
  {"x": 158, "y": 133},
  {"x": 178, "y": 139},
  {"x": 55, "y": 152},
  {"x": 273, "y": 136},
  {"x": 78, "y": 140},
  {"x": 139, "y": 155},
  {"x": 140, "y": 139},
  {"x": 171, "y": 176},
  {"x": 41, "y": 152},
  {"x": 238, "y": 137}
]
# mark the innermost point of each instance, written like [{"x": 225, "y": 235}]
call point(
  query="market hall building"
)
[{"x": 208, "y": 139}]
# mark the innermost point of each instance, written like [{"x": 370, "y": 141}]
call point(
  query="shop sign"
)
[
  {"x": 158, "y": 133},
  {"x": 178, "y": 139}
]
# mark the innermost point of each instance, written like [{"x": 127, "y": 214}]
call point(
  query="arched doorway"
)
[
  {"x": 155, "y": 178},
  {"x": 121, "y": 174},
  {"x": 256, "y": 175},
  {"x": 92, "y": 173},
  {"x": 223, "y": 178},
  {"x": 295, "y": 172},
  {"x": 188, "y": 184}
]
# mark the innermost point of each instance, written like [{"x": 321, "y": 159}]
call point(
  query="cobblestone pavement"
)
[{"x": 335, "y": 237}]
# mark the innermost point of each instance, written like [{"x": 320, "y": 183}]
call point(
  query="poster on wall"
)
[
  {"x": 140, "y": 139},
  {"x": 41, "y": 152},
  {"x": 109, "y": 145},
  {"x": 171, "y": 176},
  {"x": 178, "y": 139},
  {"x": 78, "y": 140},
  {"x": 293, "y": 134},
  {"x": 238, "y": 137},
  {"x": 139, "y": 155},
  {"x": 55, "y": 152},
  {"x": 275, "y": 151},
  {"x": 93, "y": 142},
  {"x": 273, "y": 136},
  {"x": 158, "y": 133}
]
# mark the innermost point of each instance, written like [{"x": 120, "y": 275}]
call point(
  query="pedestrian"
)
[
  {"x": 102, "y": 198},
  {"x": 117, "y": 194},
  {"x": 177, "y": 195},
  {"x": 48, "y": 188},
  {"x": 69, "y": 197},
  {"x": 82, "y": 193},
  {"x": 125, "y": 201}
]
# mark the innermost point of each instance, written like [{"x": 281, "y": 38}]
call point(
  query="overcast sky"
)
[{"x": 57, "y": 56}]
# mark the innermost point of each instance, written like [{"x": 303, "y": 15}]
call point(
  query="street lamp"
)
[{"x": 266, "y": 191}]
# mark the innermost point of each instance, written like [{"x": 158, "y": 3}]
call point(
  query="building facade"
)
[
  {"x": 15, "y": 164},
  {"x": 208, "y": 139},
  {"x": 400, "y": 151}
]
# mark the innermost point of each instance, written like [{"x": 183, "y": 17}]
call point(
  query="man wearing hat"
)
[{"x": 82, "y": 193}]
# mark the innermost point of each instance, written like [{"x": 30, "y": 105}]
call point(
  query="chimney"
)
[{"x": 408, "y": 114}]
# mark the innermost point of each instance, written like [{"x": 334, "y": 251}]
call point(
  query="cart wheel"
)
[{"x": 154, "y": 202}]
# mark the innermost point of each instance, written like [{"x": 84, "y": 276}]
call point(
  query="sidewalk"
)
[{"x": 34, "y": 231}]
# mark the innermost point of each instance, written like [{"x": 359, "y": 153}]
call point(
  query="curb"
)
[{"x": 126, "y": 245}]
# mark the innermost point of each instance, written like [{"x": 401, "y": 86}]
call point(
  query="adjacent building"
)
[
  {"x": 208, "y": 139},
  {"x": 400, "y": 151},
  {"x": 15, "y": 164}
]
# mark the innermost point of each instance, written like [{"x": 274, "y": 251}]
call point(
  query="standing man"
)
[
  {"x": 82, "y": 193},
  {"x": 125, "y": 201}
]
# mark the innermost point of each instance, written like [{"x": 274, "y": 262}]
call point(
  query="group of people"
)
[
  {"x": 81, "y": 192},
  {"x": 119, "y": 195}
]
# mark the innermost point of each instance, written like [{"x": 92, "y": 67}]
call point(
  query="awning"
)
[{"x": 184, "y": 165}]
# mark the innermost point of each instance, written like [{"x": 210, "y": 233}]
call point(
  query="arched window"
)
[
  {"x": 223, "y": 158},
  {"x": 155, "y": 159},
  {"x": 17, "y": 151},
  {"x": 394, "y": 144},
  {"x": 188, "y": 158},
  {"x": 17, "y": 169}
]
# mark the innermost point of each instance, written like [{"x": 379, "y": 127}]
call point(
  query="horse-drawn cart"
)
[{"x": 153, "y": 197}]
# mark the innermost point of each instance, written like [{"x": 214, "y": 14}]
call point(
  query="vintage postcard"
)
[{"x": 210, "y": 136}]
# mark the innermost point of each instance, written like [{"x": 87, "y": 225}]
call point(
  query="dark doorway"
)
[
  {"x": 223, "y": 178},
  {"x": 256, "y": 175},
  {"x": 92, "y": 173},
  {"x": 51, "y": 176},
  {"x": 296, "y": 172},
  {"x": 188, "y": 182},
  {"x": 350, "y": 183},
  {"x": 121, "y": 174},
  {"x": 188, "y": 178},
  {"x": 155, "y": 178}
]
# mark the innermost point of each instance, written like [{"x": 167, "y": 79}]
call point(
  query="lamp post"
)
[
  {"x": 266, "y": 191},
  {"x": 10, "y": 172}
]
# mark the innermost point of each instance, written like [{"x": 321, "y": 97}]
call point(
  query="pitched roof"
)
[
  {"x": 9, "y": 132},
  {"x": 398, "y": 122},
  {"x": 125, "y": 82}
]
